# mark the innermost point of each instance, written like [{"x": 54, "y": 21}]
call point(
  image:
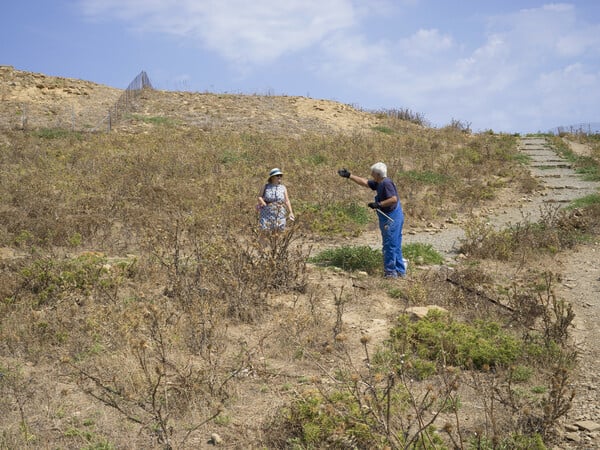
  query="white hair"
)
[{"x": 380, "y": 169}]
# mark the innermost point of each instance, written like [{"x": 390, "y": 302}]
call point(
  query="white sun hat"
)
[{"x": 274, "y": 172}]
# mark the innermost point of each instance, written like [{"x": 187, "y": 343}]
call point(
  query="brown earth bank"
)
[
  {"x": 304, "y": 338},
  {"x": 31, "y": 100}
]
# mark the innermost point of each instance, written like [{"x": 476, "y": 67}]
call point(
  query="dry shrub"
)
[
  {"x": 536, "y": 306},
  {"x": 366, "y": 405},
  {"x": 60, "y": 306},
  {"x": 557, "y": 229},
  {"x": 243, "y": 273},
  {"x": 482, "y": 240},
  {"x": 509, "y": 409},
  {"x": 305, "y": 326},
  {"x": 153, "y": 383},
  {"x": 592, "y": 214},
  {"x": 17, "y": 392},
  {"x": 526, "y": 398},
  {"x": 149, "y": 336},
  {"x": 118, "y": 185}
]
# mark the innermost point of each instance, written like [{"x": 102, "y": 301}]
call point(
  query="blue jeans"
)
[{"x": 391, "y": 235}]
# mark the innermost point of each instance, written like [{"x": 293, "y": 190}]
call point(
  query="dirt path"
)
[{"x": 579, "y": 286}]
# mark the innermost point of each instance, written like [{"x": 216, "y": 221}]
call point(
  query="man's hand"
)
[
  {"x": 374, "y": 205},
  {"x": 345, "y": 173}
]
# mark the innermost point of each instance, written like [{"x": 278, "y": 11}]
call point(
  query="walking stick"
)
[{"x": 384, "y": 214}]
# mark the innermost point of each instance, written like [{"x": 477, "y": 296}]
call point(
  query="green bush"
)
[
  {"x": 440, "y": 338},
  {"x": 348, "y": 418},
  {"x": 53, "y": 279},
  {"x": 419, "y": 253},
  {"x": 351, "y": 258},
  {"x": 516, "y": 441},
  {"x": 369, "y": 260},
  {"x": 56, "y": 133},
  {"x": 583, "y": 202},
  {"x": 383, "y": 129}
]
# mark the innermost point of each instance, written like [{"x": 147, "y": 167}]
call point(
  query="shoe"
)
[{"x": 394, "y": 276}]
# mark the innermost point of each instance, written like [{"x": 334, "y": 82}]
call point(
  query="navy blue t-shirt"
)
[{"x": 385, "y": 190}]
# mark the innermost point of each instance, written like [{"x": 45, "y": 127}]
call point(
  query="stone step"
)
[
  {"x": 539, "y": 151},
  {"x": 551, "y": 166}
]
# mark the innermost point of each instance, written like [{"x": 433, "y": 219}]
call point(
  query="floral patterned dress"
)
[{"x": 272, "y": 216}]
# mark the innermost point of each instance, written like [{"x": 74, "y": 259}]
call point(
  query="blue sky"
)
[{"x": 506, "y": 65}]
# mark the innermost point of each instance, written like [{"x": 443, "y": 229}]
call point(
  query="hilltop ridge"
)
[{"x": 34, "y": 100}]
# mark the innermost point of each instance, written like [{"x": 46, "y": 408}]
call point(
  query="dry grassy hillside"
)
[
  {"x": 141, "y": 308},
  {"x": 37, "y": 101},
  {"x": 253, "y": 113}
]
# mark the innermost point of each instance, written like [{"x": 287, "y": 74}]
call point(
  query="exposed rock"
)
[
  {"x": 588, "y": 425},
  {"x": 419, "y": 312},
  {"x": 573, "y": 437},
  {"x": 215, "y": 439}
]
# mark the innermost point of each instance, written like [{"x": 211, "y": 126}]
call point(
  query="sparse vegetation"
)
[
  {"x": 421, "y": 254},
  {"x": 351, "y": 259},
  {"x": 588, "y": 166},
  {"x": 142, "y": 307},
  {"x": 403, "y": 115},
  {"x": 589, "y": 201},
  {"x": 556, "y": 230}
]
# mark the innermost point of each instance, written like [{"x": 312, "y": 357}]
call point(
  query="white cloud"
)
[
  {"x": 238, "y": 30},
  {"x": 579, "y": 42},
  {"x": 527, "y": 66},
  {"x": 425, "y": 43},
  {"x": 572, "y": 80},
  {"x": 500, "y": 78},
  {"x": 558, "y": 7},
  {"x": 353, "y": 53}
]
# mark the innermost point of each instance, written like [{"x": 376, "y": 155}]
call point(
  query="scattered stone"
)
[
  {"x": 215, "y": 439},
  {"x": 573, "y": 437},
  {"x": 571, "y": 427},
  {"x": 359, "y": 285},
  {"x": 419, "y": 312},
  {"x": 588, "y": 425}
]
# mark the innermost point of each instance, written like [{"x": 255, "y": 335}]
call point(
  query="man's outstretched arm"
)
[{"x": 358, "y": 180}]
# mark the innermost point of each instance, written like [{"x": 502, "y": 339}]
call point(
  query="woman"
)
[{"x": 274, "y": 203}]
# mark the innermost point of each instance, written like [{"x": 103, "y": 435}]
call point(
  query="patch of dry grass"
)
[{"x": 144, "y": 288}]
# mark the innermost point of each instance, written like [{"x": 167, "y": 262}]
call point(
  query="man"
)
[{"x": 391, "y": 218}]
